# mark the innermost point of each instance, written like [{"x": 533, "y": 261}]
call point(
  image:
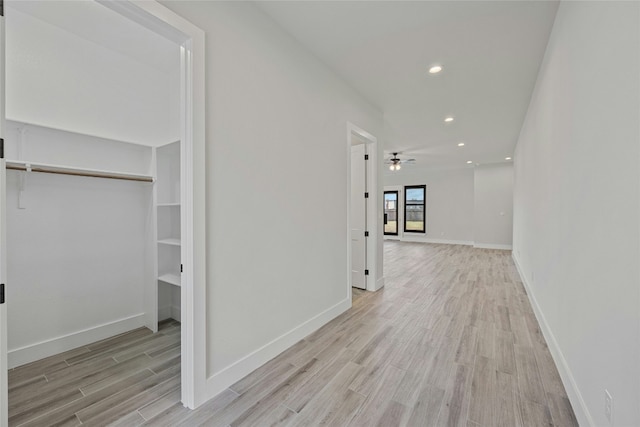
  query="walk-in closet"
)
[{"x": 93, "y": 213}]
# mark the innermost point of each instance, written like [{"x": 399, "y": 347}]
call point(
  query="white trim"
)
[
  {"x": 379, "y": 284},
  {"x": 4, "y": 388},
  {"x": 492, "y": 246},
  {"x": 348, "y": 231},
  {"x": 169, "y": 312},
  {"x": 222, "y": 379},
  {"x": 417, "y": 239},
  {"x": 575, "y": 397},
  {"x": 158, "y": 18},
  {"x": 37, "y": 351},
  {"x": 151, "y": 265},
  {"x": 164, "y": 313},
  {"x": 176, "y": 312}
]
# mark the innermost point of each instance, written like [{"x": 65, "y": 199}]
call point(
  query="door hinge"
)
[
  {"x": 1, "y": 293},
  {"x": 180, "y": 268},
  {"x": 1, "y": 7},
  {"x": 1, "y": 148},
  {"x": 366, "y": 157},
  {"x": 366, "y": 272},
  {"x": 366, "y": 234},
  {"x": 366, "y": 195}
]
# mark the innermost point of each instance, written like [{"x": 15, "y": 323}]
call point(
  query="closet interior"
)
[
  {"x": 93, "y": 235},
  {"x": 94, "y": 214}
]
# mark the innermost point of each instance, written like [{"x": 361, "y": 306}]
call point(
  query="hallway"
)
[{"x": 450, "y": 340}]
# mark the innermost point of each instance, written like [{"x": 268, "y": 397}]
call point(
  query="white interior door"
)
[
  {"x": 3, "y": 253},
  {"x": 358, "y": 217}
]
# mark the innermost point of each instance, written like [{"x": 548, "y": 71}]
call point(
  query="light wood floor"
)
[
  {"x": 450, "y": 340},
  {"x": 127, "y": 378}
]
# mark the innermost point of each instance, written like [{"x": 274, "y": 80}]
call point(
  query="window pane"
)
[
  {"x": 415, "y": 218},
  {"x": 415, "y": 195},
  {"x": 414, "y": 208}
]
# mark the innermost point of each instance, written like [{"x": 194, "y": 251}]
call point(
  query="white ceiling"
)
[
  {"x": 100, "y": 25},
  {"x": 490, "y": 51}
]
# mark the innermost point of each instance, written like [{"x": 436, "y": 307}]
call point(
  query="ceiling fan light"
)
[
  {"x": 392, "y": 167},
  {"x": 398, "y": 167}
]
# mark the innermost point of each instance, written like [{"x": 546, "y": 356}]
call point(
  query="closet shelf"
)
[
  {"x": 171, "y": 279},
  {"x": 21, "y": 165},
  {"x": 168, "y": 205},
  {"x": 170, "y": 241}
]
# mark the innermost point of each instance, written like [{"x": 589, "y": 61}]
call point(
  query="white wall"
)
[
  {"x": 469, "y": 206},
  {"x": 576, "y": 205},
  {"x": 449, "y": 203},
  {"x": 51, "y": 146},
  {"x": 276, "y": 186},
  {"x": 493, "y": 206},
  {"x": 76, "y": 260},
  {"x": 58, "y": 79}
]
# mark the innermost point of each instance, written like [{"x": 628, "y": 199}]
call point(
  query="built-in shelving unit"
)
[
  {"x": 168, "y": 230},
  {"x": 169, "y": 278},
  {"x": 169, "y": 241}
]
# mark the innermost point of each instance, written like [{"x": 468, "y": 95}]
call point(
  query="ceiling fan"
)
[{"x": 395, "y": 162}]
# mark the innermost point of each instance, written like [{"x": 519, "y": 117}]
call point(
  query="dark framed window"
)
[
  {"x": 414, "y": 208},
  {"x": 391, "y": 213}
]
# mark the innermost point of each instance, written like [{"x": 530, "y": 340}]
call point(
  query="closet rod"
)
[{"x": 63, "y": 170}]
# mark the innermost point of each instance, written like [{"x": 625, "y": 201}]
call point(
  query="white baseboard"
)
[
  {"x": 37, "y": 351},
  {"x": 575, "y": 397},
  {"x": 416, "y": 239},
  {"x": 175, "y": 312},
  {"x": 492, "y": 246},
  {"x": 164, "y": 313},
  {"x": 221, "y": 380},
  {"x": 379, "y": 284},
  {"x": 169, "y": 312}
]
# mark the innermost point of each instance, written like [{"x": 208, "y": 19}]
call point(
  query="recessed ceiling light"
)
[
  {"x": 507, "y": 158},
  {"x": 460, "y": 144},
  {"x": 469, "y": 162},
  {"x": 448, "y": 119},
  {"x": 435, "y": 69}
]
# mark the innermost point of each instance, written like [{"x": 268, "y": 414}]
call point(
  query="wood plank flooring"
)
[
  {"x": 128, "y": 379},
  {"x": 450, "y": 341}
]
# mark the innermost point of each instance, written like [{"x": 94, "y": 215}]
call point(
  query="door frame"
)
[
  {"x": 191, "y": 39},
  {"x": 4, "y": 374},
  {"x": 374, "y": 214}
]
